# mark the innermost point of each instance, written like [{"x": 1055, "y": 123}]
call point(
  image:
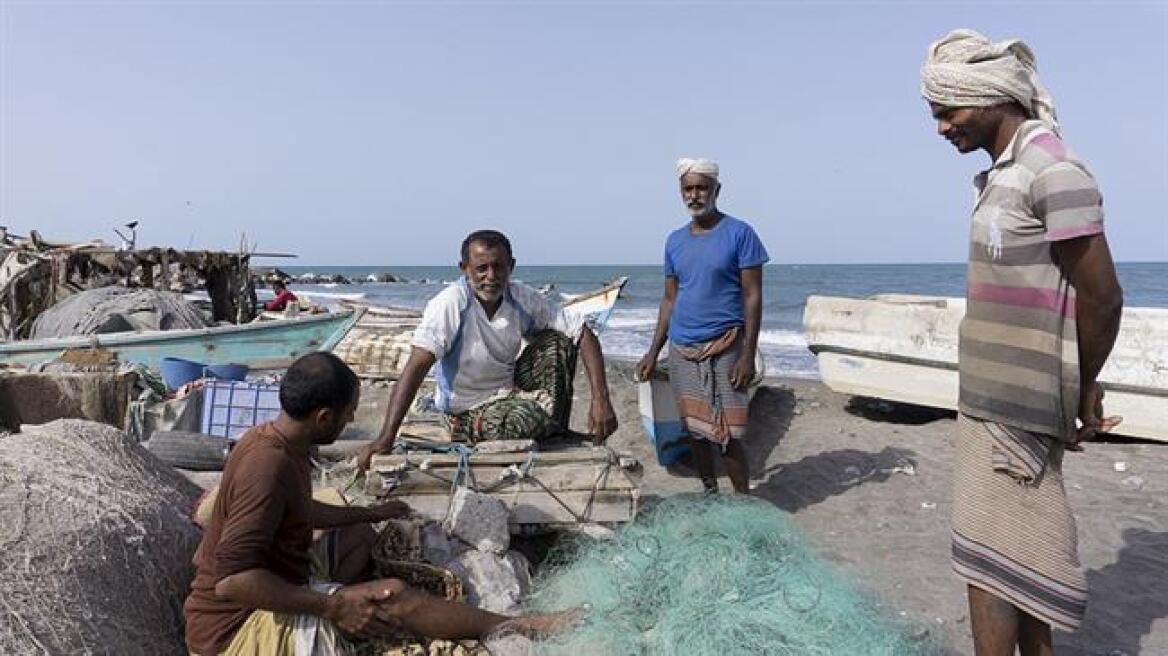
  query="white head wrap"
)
[
  {"x": 965, "y": 69},
  {"x": 708, "y": 168}
]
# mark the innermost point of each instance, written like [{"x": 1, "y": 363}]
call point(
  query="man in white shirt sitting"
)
[{"x": 487, "y": 388}]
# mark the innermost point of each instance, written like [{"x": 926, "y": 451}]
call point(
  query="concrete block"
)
[
  {"x": 493, "y": 582},
  {"x": 480, "y": 520}
]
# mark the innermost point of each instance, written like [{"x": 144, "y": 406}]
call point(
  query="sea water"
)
[{"x": 785, "y": 291}]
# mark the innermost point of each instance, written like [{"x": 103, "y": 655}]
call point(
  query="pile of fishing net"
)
[
  {"x": 95, "y": 544},
  {"x": 117, "y": 309},
  {"x": 712, "y": 577}
]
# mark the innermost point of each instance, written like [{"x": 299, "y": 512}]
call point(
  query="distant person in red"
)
[{"x": 283, "y": 297}]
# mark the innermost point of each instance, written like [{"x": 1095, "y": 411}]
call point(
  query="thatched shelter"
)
[{"x": 36, "y": 274}]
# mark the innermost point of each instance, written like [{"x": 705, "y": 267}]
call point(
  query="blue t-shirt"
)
[{"x": 707, "y": 268}]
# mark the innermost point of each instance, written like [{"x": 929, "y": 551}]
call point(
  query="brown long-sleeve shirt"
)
[{"x": 260, "y": 520}]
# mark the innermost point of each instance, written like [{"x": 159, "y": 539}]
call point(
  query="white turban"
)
[
  {"x": 965, "y": 69},
  {"x": 708, "y": 168}
]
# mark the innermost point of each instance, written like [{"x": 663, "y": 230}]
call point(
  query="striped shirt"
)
[{"x": 1019, "y": 355}]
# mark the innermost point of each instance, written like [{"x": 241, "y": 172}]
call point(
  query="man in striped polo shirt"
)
[{"x": 1042, "y": 313}]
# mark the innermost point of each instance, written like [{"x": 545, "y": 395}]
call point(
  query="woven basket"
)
[
  {"x": 397, "y": 555},
  {"x": 437, "y": 581}
]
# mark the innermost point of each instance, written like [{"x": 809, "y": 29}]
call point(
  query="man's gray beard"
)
[
  {"x": 491, "y": 298},
  {"x": 699, "y": 212}
]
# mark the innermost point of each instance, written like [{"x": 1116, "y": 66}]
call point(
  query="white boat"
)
[
  {"x": 383, "y": 312},
  {"x": 596, "y": 306},
  {"x": 326, "y": 296},
  {"x": 904, "y": 348}
]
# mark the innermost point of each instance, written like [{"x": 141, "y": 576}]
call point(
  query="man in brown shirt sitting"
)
[{"x": 252, "y": 592}]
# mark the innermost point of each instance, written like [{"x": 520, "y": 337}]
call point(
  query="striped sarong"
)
[
  {"x": 1015, "y": 537},
  {"x": 539, "y": 406},
  {"x": 708, "y": 405}
]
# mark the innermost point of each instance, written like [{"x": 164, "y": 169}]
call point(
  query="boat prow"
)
[{"x": 596, "y": 306}]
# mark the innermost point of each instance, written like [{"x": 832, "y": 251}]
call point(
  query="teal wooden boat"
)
[{"x": 261, "y": 345}]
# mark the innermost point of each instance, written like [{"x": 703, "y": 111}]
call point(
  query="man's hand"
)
[
  {"x": 354, "y": 608},
  {"x": 743, "y": 372},
  {"x": 365, "y": 455},
  {"x": 647, "y": 366},
  {"x": 405, "y": 390},
  {"x": 601, "y": 419},
  {"x": 1091, "y": 416},
  {"x": 390, "y": 510}
]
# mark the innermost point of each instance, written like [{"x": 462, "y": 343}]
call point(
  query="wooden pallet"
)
[{"x": 563, "y": 487}]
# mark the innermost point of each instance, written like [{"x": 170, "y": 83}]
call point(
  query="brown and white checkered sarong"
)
[{"x": 1016, "y": 538}]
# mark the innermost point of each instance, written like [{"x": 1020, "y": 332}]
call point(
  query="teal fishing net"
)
[{"x": 712, "y": 577}]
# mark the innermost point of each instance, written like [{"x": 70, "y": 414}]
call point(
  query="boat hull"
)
[
  {"x": 904, "y": 348},
  {"x": 262, "y": 345},
  {"x": 936, "y": 386}
]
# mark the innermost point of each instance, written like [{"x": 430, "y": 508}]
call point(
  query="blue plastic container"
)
[
  {"x": 231, "y": 407},
  {"x": 670, "y": 441},
  {"x": 177, "y": 372},
  {"x": 227, "y": 371}
]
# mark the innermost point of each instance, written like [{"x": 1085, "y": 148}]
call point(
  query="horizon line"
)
[{"x": 520, "y": 264}]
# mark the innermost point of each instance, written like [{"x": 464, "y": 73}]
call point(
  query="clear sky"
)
[{"x": 370, "y": 133}]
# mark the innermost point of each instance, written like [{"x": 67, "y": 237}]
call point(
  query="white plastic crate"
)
[{"x": 231, "y": 407}]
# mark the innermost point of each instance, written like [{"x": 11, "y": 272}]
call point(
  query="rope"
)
[
  {"x": 464, "y": 475},
  {"x": 525, "y": 474},
  {"x": 553, "y": 495}
]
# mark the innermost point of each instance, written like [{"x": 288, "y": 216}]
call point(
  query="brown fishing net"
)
[{"x": 95, "y": 544}]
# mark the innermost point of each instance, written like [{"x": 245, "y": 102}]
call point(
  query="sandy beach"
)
[{"x": 838, "y": 464}]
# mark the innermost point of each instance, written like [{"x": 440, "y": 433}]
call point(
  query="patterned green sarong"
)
[{"x": 539, "y": 406}]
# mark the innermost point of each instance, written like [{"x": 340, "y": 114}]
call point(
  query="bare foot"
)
[{"x": 544, "y": 626}]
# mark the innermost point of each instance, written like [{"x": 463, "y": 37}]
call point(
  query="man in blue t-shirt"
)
[{"x": 711, "y": 312}]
